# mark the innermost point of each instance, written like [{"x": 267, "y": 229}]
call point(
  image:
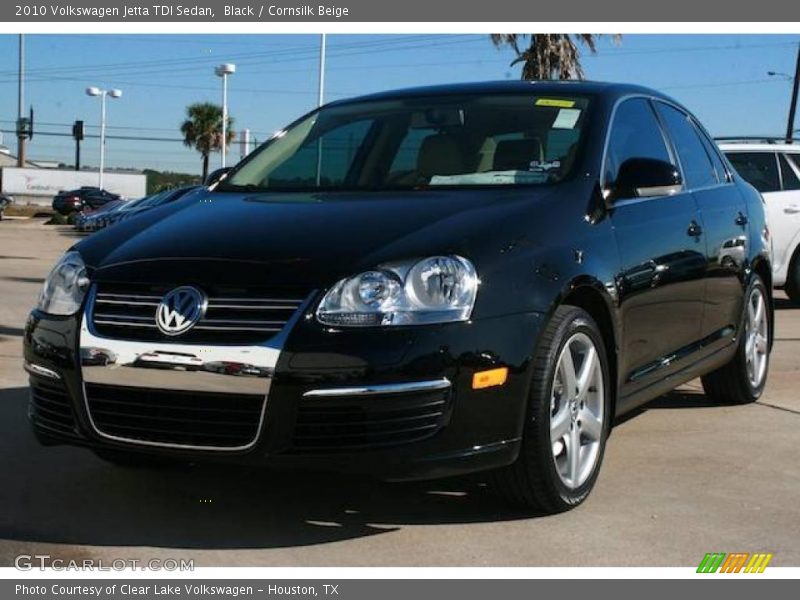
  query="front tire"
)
[
  {"x": 742, "y": 380},
  {"x": 567, "y": 421}
]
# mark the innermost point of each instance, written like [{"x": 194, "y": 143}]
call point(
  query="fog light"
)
[{"x": 491, "y": 378}]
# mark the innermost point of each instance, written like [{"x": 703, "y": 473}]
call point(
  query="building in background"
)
[{"x": 36, "y": 185}]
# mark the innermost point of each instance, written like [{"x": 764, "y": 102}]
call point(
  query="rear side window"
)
[
  {"x": 713, "y": 153},
  {"x": 695, "y": 162},
  {"x": 759, "y": 169},
  {"x": 788, "y": 176},
  {"x": 635, "y": 133}
]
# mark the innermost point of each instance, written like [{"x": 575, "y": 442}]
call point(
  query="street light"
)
[
  {"x": 114, "y": 93},
  {"x": 223, "y": 71}
]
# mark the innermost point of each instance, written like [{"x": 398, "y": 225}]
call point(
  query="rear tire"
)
[
  {"x": 742, "y": 379},
  {"x": 792, "y": 287},
  {"x": 569, "y": 407}
]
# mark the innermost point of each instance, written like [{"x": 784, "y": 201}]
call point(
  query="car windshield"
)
[
  {"x": 419, "y": 143},
  {"x": 144, "y": 201}
]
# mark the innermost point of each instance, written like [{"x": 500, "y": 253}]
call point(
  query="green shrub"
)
[{"x": 57, "y": 219}]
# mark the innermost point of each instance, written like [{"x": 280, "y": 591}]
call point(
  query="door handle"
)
[
  {"x": 694, "y": 229},
  {"x": 741, "y": 219},
  {"x": 792, "y": 209}
]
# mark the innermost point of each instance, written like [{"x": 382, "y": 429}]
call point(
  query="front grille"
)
[
  {"x": 50, "y": 406},
  {"x": 234, "y": 315},
  {"x": 352, "y": 423},
  {"x": 197, "y": 419}
]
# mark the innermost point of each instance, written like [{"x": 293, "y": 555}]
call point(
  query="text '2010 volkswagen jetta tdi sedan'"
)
[{"x": 417, "y": 284}]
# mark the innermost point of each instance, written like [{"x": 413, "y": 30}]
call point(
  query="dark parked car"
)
[
  {"x": 86, "y": 197},
  {"x": 144, "y": 204},
  {"x": 88, "y": 220},
  {"x": 4, "y": 202},
  {"x": 420, "y": 283}
]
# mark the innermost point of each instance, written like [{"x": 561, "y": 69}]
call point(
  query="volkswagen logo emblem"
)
[{"x": 180, "y": 310}]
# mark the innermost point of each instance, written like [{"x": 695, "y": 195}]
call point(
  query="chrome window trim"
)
[
  {"x": 700, "y": 134},
  {"x": 617, "y": 103},
  {"x": 667, "y": 142},
  {"x": 380, "y": 389}
]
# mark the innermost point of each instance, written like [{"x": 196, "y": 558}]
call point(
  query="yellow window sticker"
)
[{"x": 555, "y": 102}]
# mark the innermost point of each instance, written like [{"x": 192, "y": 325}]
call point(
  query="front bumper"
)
[{"x": 328, "y": 400}]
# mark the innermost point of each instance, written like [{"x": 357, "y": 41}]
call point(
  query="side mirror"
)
[
  {"x": 646, "y": 177},
  {"x": 216, "y": 176}
]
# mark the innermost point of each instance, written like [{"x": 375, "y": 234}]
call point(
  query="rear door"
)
[
  {"x": 661, "y": 282},
  {"x": 723, "y": 216}
]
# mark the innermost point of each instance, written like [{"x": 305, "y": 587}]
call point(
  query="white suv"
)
[{"x": 773, "y": 168}]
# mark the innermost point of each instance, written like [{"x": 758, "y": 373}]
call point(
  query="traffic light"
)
[{"x": 78, "y": 131}]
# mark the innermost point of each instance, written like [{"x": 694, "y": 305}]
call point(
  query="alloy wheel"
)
[
  {"x": 756, "y": 338},
  {"x": 577, "y": 410}
]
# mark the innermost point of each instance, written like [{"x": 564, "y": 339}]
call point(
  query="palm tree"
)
[
  {"x": 548, "y": 55},
  {"x": 202, "y": 130}
]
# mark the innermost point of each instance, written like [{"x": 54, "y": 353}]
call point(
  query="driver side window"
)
[{"x": 635, "y": 133}]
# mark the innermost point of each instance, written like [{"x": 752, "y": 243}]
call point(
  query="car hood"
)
[{"x": 308, "y": 239}]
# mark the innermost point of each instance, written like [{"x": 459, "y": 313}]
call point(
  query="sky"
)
[{"x": 721, "y": 78}]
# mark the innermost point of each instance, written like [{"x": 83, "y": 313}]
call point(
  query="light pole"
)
[
  {"x": 795, "y": 89},
  {"x": 114, "y": 93},
  {"x": 21, "y": 102},
  {"x": 223, "y": 71}
]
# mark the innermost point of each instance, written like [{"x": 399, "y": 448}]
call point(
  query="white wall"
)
[{"x": 46, "y": 183}]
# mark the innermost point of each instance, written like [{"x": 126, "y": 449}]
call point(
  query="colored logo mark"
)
[{"x": 736, "y": 562}]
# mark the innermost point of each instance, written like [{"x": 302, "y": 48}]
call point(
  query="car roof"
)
[
  {"x": 611, "y": 90},
  {"x": 745, "y": 146}
]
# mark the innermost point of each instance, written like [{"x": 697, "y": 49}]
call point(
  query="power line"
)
[
  {"x": 719, "y": 84},
  {"x": 109, "y": 137},
  {"x": 297, "y": 53}
]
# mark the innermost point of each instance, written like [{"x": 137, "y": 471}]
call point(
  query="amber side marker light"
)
[{"x": 491, "y": 378}]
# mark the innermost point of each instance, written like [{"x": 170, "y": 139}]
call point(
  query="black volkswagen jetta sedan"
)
[{"x": 416, "y": 284}]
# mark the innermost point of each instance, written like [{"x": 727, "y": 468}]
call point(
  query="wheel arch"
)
[
  {"x": 762, "y": 267},
  {"x": 590, "y": 295}
]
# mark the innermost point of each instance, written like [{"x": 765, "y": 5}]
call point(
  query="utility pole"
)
[
  {"x": 21, "y": 135},
  {"x": 793, "y": 105}
]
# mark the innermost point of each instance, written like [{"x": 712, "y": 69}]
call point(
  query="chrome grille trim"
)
[
  {"x": 233, "y": 315},
  {"x": 123, "y": 367}
]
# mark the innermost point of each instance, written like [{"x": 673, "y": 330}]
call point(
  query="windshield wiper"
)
[{"x": 247, "y": 187}]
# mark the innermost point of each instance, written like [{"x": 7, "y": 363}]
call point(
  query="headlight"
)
[
  {"x": 65, "y": 287},
  {"x": 440, "y": 289}
]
